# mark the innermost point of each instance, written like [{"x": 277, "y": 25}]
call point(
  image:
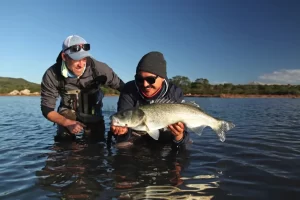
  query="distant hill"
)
[{"x": 9, "y": 84}]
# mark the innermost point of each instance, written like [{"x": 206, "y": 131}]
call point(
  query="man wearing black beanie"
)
[{"x": 151, "y": 83}]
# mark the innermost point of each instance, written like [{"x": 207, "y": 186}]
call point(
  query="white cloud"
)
[
  {"x": 284, "y": 76},
  {"x": 218, "y": 82}
]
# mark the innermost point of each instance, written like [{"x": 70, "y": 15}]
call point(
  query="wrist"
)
[
  {"x": 66, "y": 122},
  {"x": 179, "y": 138}
]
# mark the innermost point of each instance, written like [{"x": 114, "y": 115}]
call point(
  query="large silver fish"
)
[{"x": 150, "y": 118}]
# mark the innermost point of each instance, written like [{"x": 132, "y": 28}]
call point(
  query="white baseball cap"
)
[{"x": 75, "y": 40}]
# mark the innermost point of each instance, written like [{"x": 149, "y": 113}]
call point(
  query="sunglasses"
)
[
  {"x": 150, "y": 79},
  {"x": 78, "y": 47}
]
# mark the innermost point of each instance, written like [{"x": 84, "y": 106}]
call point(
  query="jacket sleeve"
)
[
  {"x": 112, "y": 79},
  {"x": 181, "y": 144},
  {"x": 125, "y": 102},
  {"x": 49, "y": 92},
  {"x": 179, "y": 97}
]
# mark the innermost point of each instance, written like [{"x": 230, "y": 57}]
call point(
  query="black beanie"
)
[{"x": 153, "y": 62}]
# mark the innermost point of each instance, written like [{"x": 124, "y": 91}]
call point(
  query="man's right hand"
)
[
  {"x": 74, "y": 127},
  {"x": 119, "y": 130}
]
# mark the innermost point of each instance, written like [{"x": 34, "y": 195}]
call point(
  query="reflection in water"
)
[
  {"x": 76, "y": 171},
  {"x": 163, "y": 192},
  {"x": 80, "y": 170},
  {"x": 192, "y": 191},
  {"x": 143, "y": 166}
]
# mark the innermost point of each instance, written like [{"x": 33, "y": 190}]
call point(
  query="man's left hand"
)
[{"x": 177, "y": 130}]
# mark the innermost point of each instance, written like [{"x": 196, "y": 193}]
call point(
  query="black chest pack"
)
[{"x": 85, "y": 101}]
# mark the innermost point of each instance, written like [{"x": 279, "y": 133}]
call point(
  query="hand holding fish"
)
[
  {"x": 119, "y": 130},
  {"x": 177, "y": 130}
]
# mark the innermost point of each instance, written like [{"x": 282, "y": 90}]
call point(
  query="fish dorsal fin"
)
[
  {"x": 164, "y": 101},
  {"x": 192, "y": 103}
]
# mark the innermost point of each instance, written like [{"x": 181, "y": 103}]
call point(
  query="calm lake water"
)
[{"x": 260, "y": 158}]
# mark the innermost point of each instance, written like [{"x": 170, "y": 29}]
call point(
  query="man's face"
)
[
  {"x": 76, "y": 66},
  {"x": 148, "y": 83}
]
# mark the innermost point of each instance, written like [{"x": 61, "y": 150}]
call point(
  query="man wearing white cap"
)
[{"x": 76, "y": 77}]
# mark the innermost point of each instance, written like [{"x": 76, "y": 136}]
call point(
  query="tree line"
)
[{"x": 200, "y": 86}]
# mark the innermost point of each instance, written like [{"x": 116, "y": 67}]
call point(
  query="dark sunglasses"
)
[
  {"x": 150, "y": 79},
  {"x": 78, "y": 47}
]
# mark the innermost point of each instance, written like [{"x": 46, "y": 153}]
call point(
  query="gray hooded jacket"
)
[{"x": 51, "y": 87}]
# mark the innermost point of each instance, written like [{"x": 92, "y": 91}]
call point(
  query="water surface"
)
[{"x": 259, "y": 159}]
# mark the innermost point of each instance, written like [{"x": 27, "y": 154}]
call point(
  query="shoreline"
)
[
  {"x": 203, "y": 95},
  {"x": 245, "y": 96},
  {"x": 19, "y": 95},
  {"x": 28, "y": 95}
]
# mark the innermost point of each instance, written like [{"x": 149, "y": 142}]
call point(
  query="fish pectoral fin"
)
[
  {"x": 165, "y": 129},
  {"x": 154, "y": 134},
  {"x": 198, "y": 130},
  {"x": 141, "y": 127}
]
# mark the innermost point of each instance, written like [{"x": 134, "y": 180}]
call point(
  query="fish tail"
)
[{"x": 222, "y": 128}]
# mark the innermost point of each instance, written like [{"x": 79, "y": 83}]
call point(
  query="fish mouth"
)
[
  {"x": 114, "y": 121},
  {"x": 112, "y": 118}
]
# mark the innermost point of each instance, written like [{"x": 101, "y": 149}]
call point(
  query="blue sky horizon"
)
[{"x": 223, "y": 41}]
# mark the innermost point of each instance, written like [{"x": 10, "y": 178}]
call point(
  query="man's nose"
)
[
  {"x": 82, "y": 62},
  {"x": 146, "y": 84}
]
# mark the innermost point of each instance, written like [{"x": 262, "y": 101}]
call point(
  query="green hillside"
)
[
  {"x": 200, "y": 86},
  {"x": 9, "y": 84}
]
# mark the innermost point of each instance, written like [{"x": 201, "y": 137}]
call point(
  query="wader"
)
[
  {"x": 86, "y": 108},
  {"x": 83, "y": 105}
]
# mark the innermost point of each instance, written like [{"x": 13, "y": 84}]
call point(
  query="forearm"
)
[
  {"x": 178, "y": 138},
  {"x": 57, "y": 118},
  {"x": 112, "y": 79},
  {"x": 120, "y": 86}
]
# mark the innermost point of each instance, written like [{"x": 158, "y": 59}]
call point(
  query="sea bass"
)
[{"x": 150, "y": 118}]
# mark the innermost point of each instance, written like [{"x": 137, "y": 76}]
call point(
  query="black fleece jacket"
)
[{"x": 131, "y": 97}]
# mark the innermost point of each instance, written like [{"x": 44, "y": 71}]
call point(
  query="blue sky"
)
[{"x": 224, "y": 41}]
